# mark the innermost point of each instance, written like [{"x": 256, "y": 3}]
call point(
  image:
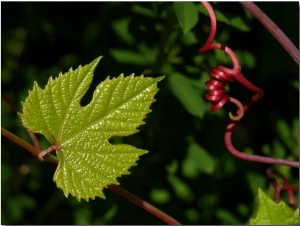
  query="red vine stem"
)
[
  {"x": 286, "y": 186},
  {"x": 44, "y": 156},
  {"x": 253, "y": 158},
  {"x": 273, "y": 29},
  {"x": 218, "y": 95},
  {"x": 144, "y": 205},
  {"x": 15, "y": 109},
  {"x": 117, "y": 189},
  {"x": 33, "y": 150}
]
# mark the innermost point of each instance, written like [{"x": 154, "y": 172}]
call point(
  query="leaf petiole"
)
[
  {"x": 46, "y": 151},
  {"x": 33, "y": 150}
]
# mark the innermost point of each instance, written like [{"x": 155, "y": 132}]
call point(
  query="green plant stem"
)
[
  {"x": 33, "y": 150},
  {"x": 273, "y": 29},
  {"x": 144, "y": 205}
]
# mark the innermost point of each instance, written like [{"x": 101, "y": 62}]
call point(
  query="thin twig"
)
[
  {"x": 286, "y": 186},
  {"x": 33, "y": 150},
  {"x": 251, "y": 157},
  {"x": 36, "y": 151},
  {"x": 15, "y": 109},
  {"x": 273, "y": 29},
  {"x": 144, "y": 205},
  {"x": 117, "y": 189}
]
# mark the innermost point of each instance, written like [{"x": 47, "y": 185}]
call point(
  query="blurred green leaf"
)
[
  {"x": 121, "y": 28},
  {"x": 219, "y": 15},
  {"x": 284, "y": 132},
  {"x": 234, "y": 21},
  {"x": 188, "y": 91},
  {"x": 227, "y": 217},
  {"x": 83, "y": 216},
  {"x": 182, "y": 190},
  {"x": 108, "y": 216},
  {"x": 160, "y": 196},
  {"x": 190, "y": 39},
  {"x": 246, "y": 58},
  {"x": 18, "y": 205},
  {"x": 192, "y": 214},
  {"x": 187, "y": 15},
  {"x": 173, "y": 167},
  {"x": 129, "y": 57},
  {"x": 255, "y": 181},
  {"x": 143, "y": 10},
  {"x": 197, "y": 160},
  {"x": 239, "y": 23}
]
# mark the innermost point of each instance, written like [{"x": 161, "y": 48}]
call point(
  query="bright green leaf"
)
[
  {"x": 187, "y": 15},
  {"x": 87, "y": 161},
  {"x": 270, "y": 213}
]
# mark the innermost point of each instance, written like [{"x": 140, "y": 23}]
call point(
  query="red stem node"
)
[{"x": 286, "y": 186}]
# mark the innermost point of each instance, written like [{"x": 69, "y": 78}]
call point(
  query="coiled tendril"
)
[
  {"x": 220, "y": 76},
  {"x": 218, "y": 95}
]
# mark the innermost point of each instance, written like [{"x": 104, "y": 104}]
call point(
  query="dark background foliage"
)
[{"x": 41, "y": 39}]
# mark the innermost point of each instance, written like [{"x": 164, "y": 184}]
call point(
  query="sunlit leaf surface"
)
[{"x": 88, "y": 162}]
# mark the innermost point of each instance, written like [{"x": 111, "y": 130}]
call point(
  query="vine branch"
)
[
  {"x": 15, "y": 109},
  {"x": 33, "y": 150},
  {"x": 144, "y": 205},
  {"x": 250, "y": 157},
  {"x": 45, "y": 156},
  {"x": 286, "y": 186},
  {"x": 273, "y": 29}
]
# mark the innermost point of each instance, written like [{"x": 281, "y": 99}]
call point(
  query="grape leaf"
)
[
  {"x": 88, "y": 162},
  {"x": 269, "y": 212}
]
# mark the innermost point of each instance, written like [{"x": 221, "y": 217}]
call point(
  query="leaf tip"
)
[
  {"x": 160, "y": 78},
  {"x": 96, "y": 61}
]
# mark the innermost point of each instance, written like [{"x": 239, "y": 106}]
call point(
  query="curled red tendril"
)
[{"x": 220, "y": 76}]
